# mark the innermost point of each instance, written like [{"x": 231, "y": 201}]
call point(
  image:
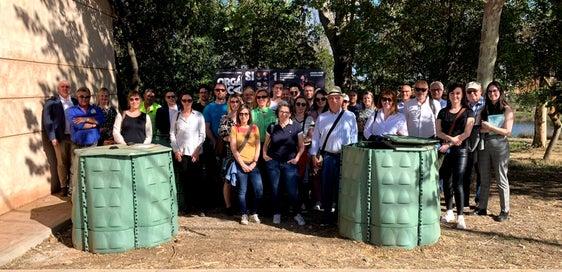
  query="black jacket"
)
[{"x": 54, "y": 118}]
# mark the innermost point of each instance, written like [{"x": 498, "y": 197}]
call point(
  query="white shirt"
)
[
  {"x": 66, "y": 103},
  {"x": 172, "y": 111},
  {"x": 395, "y": 124},
  {"x": 420, "y": 119},
  {"x": 187, "y": 134},
  {"x": 344, "y": 133}
]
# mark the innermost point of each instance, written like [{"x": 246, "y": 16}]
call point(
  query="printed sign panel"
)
[{"x": 236, "y": 80}]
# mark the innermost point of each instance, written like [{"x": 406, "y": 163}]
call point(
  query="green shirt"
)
[
  {"x": 151, "y": 111},
  {"x": 262, "y": 118}
]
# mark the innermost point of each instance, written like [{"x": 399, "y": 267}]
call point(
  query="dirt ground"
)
[{"x": 531, "y": 239}]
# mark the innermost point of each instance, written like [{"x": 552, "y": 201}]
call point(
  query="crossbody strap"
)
[
  {"x": 330, "y": 131},
  {"x": 459, "y": 113},
  {"x": 246, "y": 138}
]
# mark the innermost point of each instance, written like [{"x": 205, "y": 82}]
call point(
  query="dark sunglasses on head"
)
[
  {"x": 420, "y": 89},
  {"x": 300, "y": 104},
  {"x": 261, "y": 96},
  {"x": 84, "y": 96},
  {"x": 318, "y": 99},
  {"x": 189, "y": 100}
]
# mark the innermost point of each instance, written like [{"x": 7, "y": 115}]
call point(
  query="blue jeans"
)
[
  {"x": 288, "y": 172},
  {"x": 330, "y": 185},
  {"x": 242, "y": 184}
]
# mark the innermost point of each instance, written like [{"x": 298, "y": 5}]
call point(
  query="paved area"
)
[{"x": 28, "y": 226}]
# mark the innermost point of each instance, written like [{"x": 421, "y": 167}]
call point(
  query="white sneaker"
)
[
  {"x": 317, "y": 207},
  {"x": 277, "y": 219},
  {"x": 244, "y": 219},
  {"x": 299, "y": 219},
  {"x": 448, "y": 217},
  {"x": 254, "y": 218},
  {"x": 460, "y": 222}
]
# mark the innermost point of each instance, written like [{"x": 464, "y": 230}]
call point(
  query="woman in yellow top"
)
[{"x": 245, "y": 147}]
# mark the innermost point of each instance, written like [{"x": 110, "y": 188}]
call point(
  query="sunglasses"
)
[
  {"x": 420, "y": 90},
  {"x": 220, "y": 90},
  {"x": 470, "y": 91},
  {"x": 386, "y": 99},
  {"x": 187, "y": 100},
  {"x": 318, "y": 99},
  {"x": 300, "y": 104},
  {"x": 294, "y": 92},
  {"x": 134, "y": 99},
  {"x": 234, "y": 101},
  {"x": 436, "y": 90},
  {"x": 261, "y": 97},
  {"x": 84, "y": 96},
  {"x": 170, "y": 96},
  {"x": 244, "y": 114}
]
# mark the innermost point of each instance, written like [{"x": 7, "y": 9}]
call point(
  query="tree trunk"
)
[
  {"x": 135, "y": 78},
  {"x": 539, "y": 137},
  {"x": 557, "y": 125},
  {"x": 335, "y": 24},
  {"x": 489, "y": 38}
]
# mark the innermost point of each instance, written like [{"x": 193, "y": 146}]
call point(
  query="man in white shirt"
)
[
  {"x": 326, "y": 149},
  {"x": 421, "y": 112},
  {"x": 57, "y": 128},
  {"x": 436, "y": 88},
  {"x": 406, "y": 95}
]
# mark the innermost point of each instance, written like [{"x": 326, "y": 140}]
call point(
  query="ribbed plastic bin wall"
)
[
  {"x": 354, "y": 195},
  {"x": 400, "y": 186},
  {"x": 123, "y": 198}
]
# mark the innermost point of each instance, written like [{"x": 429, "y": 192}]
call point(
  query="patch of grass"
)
[{"x": 519, "y": 145}]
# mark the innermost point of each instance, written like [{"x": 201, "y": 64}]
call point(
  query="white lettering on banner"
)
[
  {"x": 233, "y": 85},
  {"x": 249, "y": 76}
]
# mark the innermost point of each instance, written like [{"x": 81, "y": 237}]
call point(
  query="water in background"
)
[{"x": 526, "y": 129}]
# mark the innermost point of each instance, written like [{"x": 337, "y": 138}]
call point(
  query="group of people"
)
[{"x": 289, "y": 141}]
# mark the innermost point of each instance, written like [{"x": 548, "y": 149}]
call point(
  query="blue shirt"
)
[
  {"x": 80, "y": 135},
  {"x": 213, "y": 113},
  {"x": 477, "y": 109}
]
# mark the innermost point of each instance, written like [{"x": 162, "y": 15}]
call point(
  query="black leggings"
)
[{"x": 452, "y": 172}]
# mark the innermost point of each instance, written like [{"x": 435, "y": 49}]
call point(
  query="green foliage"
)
[{"x": 180, "y": 44}]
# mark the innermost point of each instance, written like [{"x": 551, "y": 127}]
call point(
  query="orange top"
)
[{"x": 248, "y": 152}]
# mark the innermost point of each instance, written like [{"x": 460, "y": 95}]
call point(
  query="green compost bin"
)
[
  {"x": 389, "y": 193},
  {"x": 123, "y": 198}
]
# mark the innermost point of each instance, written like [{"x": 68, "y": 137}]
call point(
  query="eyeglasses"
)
[
  {"x": 170, "y": 96},
  {"x": 436, "y": 90},
  {"x": 261, "y": 96},
  {"x": 187, "y": 100},
  {"x": 84, "y": 96},
  {"x": 386, "y": 99},
  {"x": 420, "y": 90},
  {"x": 493, "y": 90},
  {"x": 318, "y": 99},
  {"x": 300, "y": 104},
  {"x": 234, "y": 101},
  {"x": 244, "y": 114},
  {"x": 220, "y": 90},
  {"x": 134, "y": 99},
  {"x": 285, "y": 112}
]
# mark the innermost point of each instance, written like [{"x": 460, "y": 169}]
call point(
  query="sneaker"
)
[
  {"x": 244, "y": 219},
  {"x": 504, "y": 216},
  {"x": 480, "y": 212},
  {"x": 448, "y": 217},
  {"x": 317, "y": 207},
  {"x": 254, "y": 218},
  {"x": 460, "y": 222},
  {"x": 299, "y": 219},
  {"x": 276, "y": 219}
]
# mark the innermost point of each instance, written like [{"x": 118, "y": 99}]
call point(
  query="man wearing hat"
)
[
  {"x": 334, "y": 129},
  {"x": 476, "y": 102}
]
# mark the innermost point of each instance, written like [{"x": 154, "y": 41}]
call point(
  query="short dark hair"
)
[
  {"x": 278, "y": 83},
  {"x": 308, "y": 84}
]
